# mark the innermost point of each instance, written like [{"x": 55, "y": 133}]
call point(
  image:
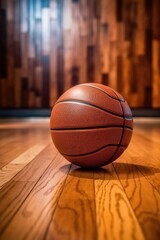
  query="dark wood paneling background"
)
[{"x": 47, "y": 46}]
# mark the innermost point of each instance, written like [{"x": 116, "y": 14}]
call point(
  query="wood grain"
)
[
  {"x": 40, "y": 204},
  {"x": 16, "y": 165},
  {"x": 43, "y": 196},
  {"x": 21, "y": 143},
  {"x": 77, "y": 205},
  {"x": 139, "y": 192},
  {"x": 49, "y": 46},
  {"x": 115, "y": 216},
  {"x": 22, "y": 184}
]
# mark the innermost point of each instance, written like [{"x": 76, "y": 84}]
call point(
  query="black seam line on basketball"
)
[
  {"x": 120, "y": 100},
  {"x": 126, "y": 117},
  {"x": 91, "y": 105},
  {"x": 116, "y": 94},
  {"x": 88, "y": 128},
  {"x": 119, "y": 145},
  {"x": 85, "y": 154}
]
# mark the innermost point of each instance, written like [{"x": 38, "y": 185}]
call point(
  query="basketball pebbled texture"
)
[{"x": 91, "y": 125}]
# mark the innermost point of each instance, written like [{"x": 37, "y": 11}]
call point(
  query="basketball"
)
[{"x": 91, "y": 125}]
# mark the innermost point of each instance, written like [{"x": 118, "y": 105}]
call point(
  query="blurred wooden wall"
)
[{"x": 47, "y": 46}]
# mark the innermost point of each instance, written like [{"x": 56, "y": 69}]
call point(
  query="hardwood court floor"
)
[{"x": 42, "y": 196}]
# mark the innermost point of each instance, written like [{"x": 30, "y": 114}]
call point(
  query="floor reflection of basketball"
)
[{"x": 91, "y": 125}]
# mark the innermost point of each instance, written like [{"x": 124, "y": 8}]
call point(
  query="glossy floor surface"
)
[{"x": 42, "y": 196}]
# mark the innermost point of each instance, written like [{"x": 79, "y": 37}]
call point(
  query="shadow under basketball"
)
[{"x": 123, "y": 171}]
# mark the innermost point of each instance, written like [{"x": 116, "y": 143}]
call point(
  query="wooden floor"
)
[{"x": 42, "y": 196}]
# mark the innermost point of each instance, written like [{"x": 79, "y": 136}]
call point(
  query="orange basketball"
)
[{"x": 91, "y": 125}]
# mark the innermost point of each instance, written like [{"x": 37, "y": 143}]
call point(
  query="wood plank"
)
[
  {"x": 96, "y": 35},
  {"x": 38, "y": 84},
  {"x": 31, "y": 26},
  {"x": 24, "y": 17},
  {"x": 3, "y": 42},
  {"x": 31, "y": 83},
  {"x": 115, "y": 216},
  {"x": 17, "y": 88},
  {"x": 60, "y": 73},
  {"x": 40, "y": 204},
  {"x": 83, "y": 57},
  {"x": 90, "y": 63},
  {"x": 75, "y": 35},
  {"x": 10, "y": 60},
  {"x": 24, "y": 90},
  {"x": 104, "y": 47},
  {"x": 50, "y": 199},
  {"x": 6, "y": 137},
  {"x": 69, "y": 45},
  {"x": 75, "y": 76},
  {"x": 149, "y": 169},
  {"x": 152, "y": 125},
  {"x": 156, "y": 73},
  {"x": 18, "y": 147},
  {"x": 126, "y": 72},
  {"x": 90, "y": 22},
  {"x": 53, "y": 63},
  {"x": 67, "y": 15},
  {"x": 3, "y": 93},
  {"x": 79, "y": 189},
  {"x": 10, "y": 12},
  {"x": 141, "y": 77},
  {"x": 46, "y": 82},
  {"x": 17, "y": 190},
  {"x": 68, "y": 67},
  {"x": 38, "y": 42},
  {"x": 112, "y": 20},
  {"x": 120, "y": 83},
  {"x": 119, "y": 10},
  {"x": 17, "y": 164},
  {"x": 152, "y": 175},
  {"x": 45, "y": 31},
  {"x": 24, "y": 52},
  {"x": 156, "y": 19},
  {"x": 9, "y": 198},
  {"x": 113, "y": 66},
  {"x": 138, "y": 191},
  {"x": 120, "y": 38},
  {"x": 148, "y": 148},
  {"x": 88, "y": 35},
  {"x": 140, "y": 37}
]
